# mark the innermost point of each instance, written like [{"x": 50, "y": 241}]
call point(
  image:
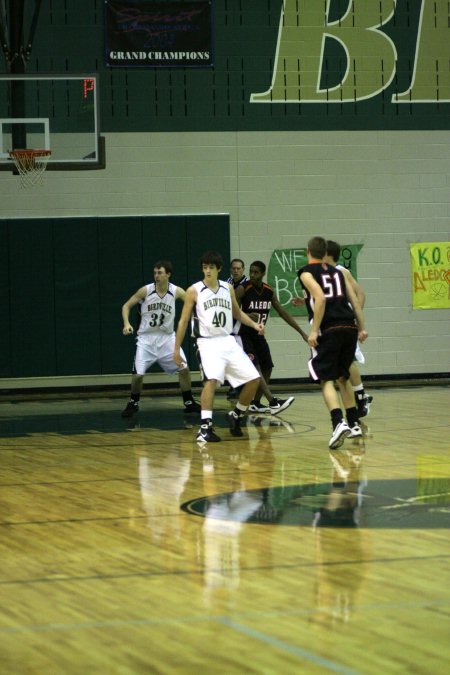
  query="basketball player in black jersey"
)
[
  {"x": 362, "y": 399},
  {"x": 337, "y": 322},
  {"x": 256, "y": 299}
]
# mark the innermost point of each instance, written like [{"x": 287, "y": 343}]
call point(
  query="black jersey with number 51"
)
[{"x": 338, "y": 310}]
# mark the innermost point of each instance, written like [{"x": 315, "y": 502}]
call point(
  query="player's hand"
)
[
  {"x": 312, "y": 338},
  {"x": 260, "y": 328},
  {"x": 298, "y": 302},
  {"x": 303, "y": 334},
  {"x": 178, "y": 360},
  {"x": 128, "y": 329},
  {"x": 363, "y": 335}
]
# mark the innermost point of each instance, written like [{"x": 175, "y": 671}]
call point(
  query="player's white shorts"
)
[
  {"x": 221, "y": 358},
  {"x": 238, "y": 340},
  {"x": 359, "y": 356},
  {"x": 156, "y": 348}
]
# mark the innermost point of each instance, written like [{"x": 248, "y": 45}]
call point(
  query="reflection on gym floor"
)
[{"x": 258, "y": 553}]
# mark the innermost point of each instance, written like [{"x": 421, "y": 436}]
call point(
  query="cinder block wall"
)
[{"x": 380, "y": 189}]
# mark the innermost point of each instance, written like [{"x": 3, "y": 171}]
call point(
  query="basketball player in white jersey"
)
[
  {"x": 212, "y": 305},
  {"x": 156, "y": 336}
]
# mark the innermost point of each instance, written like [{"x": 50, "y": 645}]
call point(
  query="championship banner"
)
[
  {"x": 282, "y": 274},
  {"x": 158, "y": 34},
  {"x": 430, "y": 272}
]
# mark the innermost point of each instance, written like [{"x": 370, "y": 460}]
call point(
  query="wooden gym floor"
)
[{"x": 127, "y": 549}]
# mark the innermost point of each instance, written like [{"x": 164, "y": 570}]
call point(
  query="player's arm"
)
[
  {"x": 318, "y": 296},
  {"x": 350, "y": 280},
  {"x": 351, "y": 295},
  {"x": 190, "y": 298},
  {"x": 128, "y": 305},
  {"x": 242, "y": 316},
  {"x": 278, "y": 307},
  {"x": 180, "y": 293},
  {"x": 239, "y": 293}
]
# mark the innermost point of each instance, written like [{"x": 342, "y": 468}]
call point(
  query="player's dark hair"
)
[
  {"x": 260, "y": 265},
  {"x": 164, "y": 263},
  {"x": 333, "y": 249},
  {"x": 317, "y": 247},
  {"x": 212, "y": 258},
  {"x": 238, "y": 260}
]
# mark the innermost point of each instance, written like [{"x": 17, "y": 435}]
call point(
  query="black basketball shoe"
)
[
  {"x": 131, "y": 408},
  {"x": 192, "y": 407},
  {"x": 206, "y": 435},
  {"x": 234, "y": 422}
]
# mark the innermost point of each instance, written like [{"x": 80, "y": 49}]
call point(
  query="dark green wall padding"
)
[{"x": 63, "y": 282}]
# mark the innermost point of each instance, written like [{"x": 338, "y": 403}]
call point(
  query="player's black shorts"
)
[
  {"x": 257, "y": 348},
  {"x": 333, "y": 356}
]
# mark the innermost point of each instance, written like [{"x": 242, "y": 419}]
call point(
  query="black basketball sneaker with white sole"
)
[
  {"x": 280, "y": 404},
  {"x": 206, "y": 434}
]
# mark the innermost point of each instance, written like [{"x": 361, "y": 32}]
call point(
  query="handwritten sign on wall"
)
[
  {"x": 430, "y": 269},
  {"x": 282, "y": 273}
]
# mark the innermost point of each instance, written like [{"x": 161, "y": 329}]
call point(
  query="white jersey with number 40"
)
[
  {"x": 158, "y": 313},
  {"x": 213, "y": 313}
]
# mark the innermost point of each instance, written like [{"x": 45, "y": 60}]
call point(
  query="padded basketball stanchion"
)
[{"x": 31, "y": 165}]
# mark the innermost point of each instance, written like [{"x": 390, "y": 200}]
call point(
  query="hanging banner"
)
[
  {"x": 430, "y": 270},
  {"x": 282, "y": 274},
  {"x": 142, "y": 33}
]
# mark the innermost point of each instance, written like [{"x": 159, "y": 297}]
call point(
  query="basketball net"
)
[{"x": 31, "y": 165}]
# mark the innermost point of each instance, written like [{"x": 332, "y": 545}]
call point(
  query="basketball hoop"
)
[{"x": 31, "y": 165}]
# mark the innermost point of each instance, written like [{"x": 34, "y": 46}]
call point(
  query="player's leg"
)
[
  {"x": 240, "y": 371},
  {"x": 206, "y": 432},
  {"x": 212, "y": 364},
  {"x": 363, "y": 401},
  {"x": 351, "y": 412},
  {"x": 246, "y": 396},
  {"x": 262, "y": 360},
  {"x": 256, "y": 406},
  {"x": 324, "y": 366},
  {"x": 166, "y": 346},
  {"x": 346, "y": 392},
  {"x": 132, "y": 406},
  {"x": 142, "y": 359},
  {"x": 232, "y": 391},
  {"x": 190, "y": 405},
  {"x": 348, "y": 346},
  {"x": 340, "y": 426},
  {"x": 265, "y": 373},
  {"x": 137, "y": 382},
  {"x": 330, "y": 395},
  {"x": 248, "y": 392},
  {"x": 250, "y": 348},
  {"x": 276, "y": 405}
]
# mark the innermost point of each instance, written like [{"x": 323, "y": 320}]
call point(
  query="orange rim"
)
[{"x": 29, "y": 153}]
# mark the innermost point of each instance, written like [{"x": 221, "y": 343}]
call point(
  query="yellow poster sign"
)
[{"x": 430, "y": 270}]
